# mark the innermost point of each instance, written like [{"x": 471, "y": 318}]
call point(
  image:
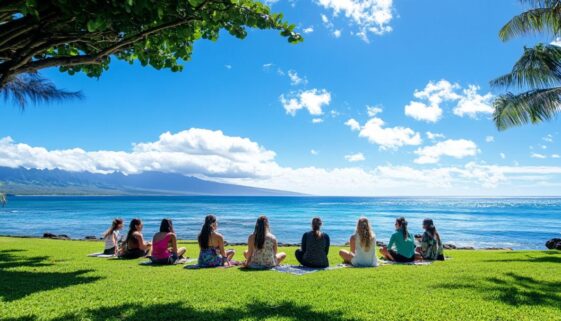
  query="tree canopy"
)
[
  {"x": 536, "y": 76},
  {"x": 83, "y": 36}
]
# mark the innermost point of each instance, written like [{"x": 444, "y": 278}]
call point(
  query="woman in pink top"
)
[{"x": 164, "y": 245}]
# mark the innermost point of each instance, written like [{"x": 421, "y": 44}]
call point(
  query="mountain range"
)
[{"x": 22, "y": 181}]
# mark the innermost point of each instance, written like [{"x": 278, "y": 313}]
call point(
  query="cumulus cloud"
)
[
  {"x": 312, "y": 100},
  {"x": 373, "y": 110},
  {"x": 555, "y": 156},
  {"x": 472, "y": 104},
  {"x": 317, "y": 120},
  {"x": 190, "y": 152},
  {"x": 358, "y": 157},
  {"x": 548, "y": 138},
  {"x": 459, "y": 148},
  {"x": 314, "y": 152},
  {"x": 309, "y": 29},
  {"x": 388, "y": 137},
  {"x": 296, "y": 80},
  {"x": 219, "y": 157},
  {"x": 435, "y": 136},
  {"x": 353, "y": 124},
  {"x": 537, "y": 155},
  {"x": 503, "y": 155},
  {"x": 428, "y": 106},
  {"x": 369, "y": 16},
  {"x": 489, "y": 139}
]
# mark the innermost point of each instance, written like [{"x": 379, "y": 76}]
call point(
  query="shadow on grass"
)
[
  {"x": 545, "y": 257},
  {"x": 178, "y": 311},
  {"x": 16, "y": 283},
  {"x": 514, "y": 289}
]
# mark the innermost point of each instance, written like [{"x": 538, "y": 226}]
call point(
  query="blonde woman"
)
[{"x": 363, "y": 246}]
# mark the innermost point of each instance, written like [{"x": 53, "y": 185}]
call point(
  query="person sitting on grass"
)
[
  {"x": 262, "y": 247},
  {"x": 404, "y": 244},
  {"x": 164, "y": 245},
  {"x": 431, "y": 245},
  {"x": 363, "y": 246},
  {"x": 315, "y": 247},
  {"x": 111, "y": 237},
  {"x": 134, "y": 245},
  {"x": 211, "y": 244}
]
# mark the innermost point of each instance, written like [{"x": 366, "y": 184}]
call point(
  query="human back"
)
[{"x": 365, "y": 245}]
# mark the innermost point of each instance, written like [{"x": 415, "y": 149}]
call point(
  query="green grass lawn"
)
[{"x": 54, "y": 280}]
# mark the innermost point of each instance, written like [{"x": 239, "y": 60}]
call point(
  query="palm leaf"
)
[
  {"x": 31, "y": 88},
  {"x": 539, "y": 67},
  {"x": 540, "y": 19},
  {"x": 529, "y": 107}
]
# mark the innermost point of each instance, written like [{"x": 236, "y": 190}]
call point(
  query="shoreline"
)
[{"x": 447, "y": 247}]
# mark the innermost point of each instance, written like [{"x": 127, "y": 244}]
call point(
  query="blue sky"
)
[{"x": 283, "y": 110}]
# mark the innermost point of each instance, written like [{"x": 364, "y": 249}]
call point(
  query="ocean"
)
[{"x": 518, "y": 223}]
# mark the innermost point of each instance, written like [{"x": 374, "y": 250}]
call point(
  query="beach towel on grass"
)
[
  {"x": 383, "y": 262},
  {"x": 101, "y": 255},
  {"x": 302, "y": 270},
  {"x": 180, "y": 261},
  {"x": 196, "y": 267}
]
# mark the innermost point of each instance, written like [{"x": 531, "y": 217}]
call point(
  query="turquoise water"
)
[{"x": 520, "y": 223}]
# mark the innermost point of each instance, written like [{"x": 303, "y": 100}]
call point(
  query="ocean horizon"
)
[{"x": 463, "y": 221}]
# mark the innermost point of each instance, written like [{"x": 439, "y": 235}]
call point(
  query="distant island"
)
[{"x": 22, "y": 181}]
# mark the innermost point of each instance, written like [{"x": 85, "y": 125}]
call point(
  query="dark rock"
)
[
  {"x": 471, "y": 248},
  {"x": 90, "y": 237},
  {"x": 63, "y": 237},
  {"x": 497, "y": 249},
  {"x": 553, "y": 244},
  {"x": 48, "y": 235},
  {"x": 449, "y": 246},
  {"x": 380, "y": 243}
]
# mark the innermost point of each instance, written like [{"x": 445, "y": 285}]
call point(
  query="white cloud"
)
[
  {"x": 387, "y": 137},
  {"x": 337, "y": 33},
  {"x": 471, "y": 103},
  {"x": 459, "y": 148},
  {"x": 213, "y": 155},
  {"x": 429, "y": 109},
  {"x": 295, "y": 79},
  {"x": 373, "y": 110},
  {"x": 358, "y": 157},
  {"x": 369, "y": 16},
  {"x": 543, "y": 146},
  {"x": 310, "y": 29},
  {"x": 556, "y": 42},
  {"x": 503, "y": 156},
  {"x": 489, "y": 139},
  {"x": 434, "y": 94},
  {"x": 228, "y": 66},
  {"x": 434, "y": 136},
  {"x": 314, "y": 152},
  {"x": 313, "y": 100},
  {"x": 353, "y": 124},
  {"x": 537, "y": 155},
  {"x": 548, "y": 138},
  {"x": 317, "y": 120},
  {"x": 555, "y": 156}
]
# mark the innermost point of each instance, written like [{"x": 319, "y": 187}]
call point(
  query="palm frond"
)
[
  {"x": 532, "y": 106},
  {"x": 31, "y": 88},
  {"x": 533, "y": 21},
  {"x": 539, "y": 67}
]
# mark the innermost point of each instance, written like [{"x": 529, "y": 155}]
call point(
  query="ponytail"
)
[
  {"x": 316, "y": 225},
  {"x": 206, "y": 230},
  {"x": 116, "y": 222},
  {"x": 261, "y": 230},
  {"x": 403, "y": 225}
]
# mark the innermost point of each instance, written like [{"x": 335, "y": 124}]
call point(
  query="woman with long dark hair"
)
[
  {"x": 164, "y": 248},
  {"x": 402, "y": 244},
  {"x": 111, "y": 237},
  {"x": 363, "y": 246},
  {"x": 262, "y": 247},
  {"x": 315, "y": 247},
  {"x": 211, "y": 244},
  {"x": 134, "y": 245},
  {"x": 431, "y": 244}
]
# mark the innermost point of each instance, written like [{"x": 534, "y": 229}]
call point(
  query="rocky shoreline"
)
[{"x": 553, "y": 244}]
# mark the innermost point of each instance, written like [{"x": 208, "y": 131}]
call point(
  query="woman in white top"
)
[
  {"x": 262, "y": 247},
  {"x": 111, "y": 237},
  {"x": 363, "y": 246}
]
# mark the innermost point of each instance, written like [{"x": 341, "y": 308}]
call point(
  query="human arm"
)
[
  {"x": 352, "y": 243},
  {"x": 250, "y": 249},
  {"x": 304, "y": 245},
  {"x": 141, "y": 244},
  {"x": 392, "y": 241},
  {"x": 220, "y": 242},
  {"x": 173, "y": 241},
  {"x": 327, "y": 243}
]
